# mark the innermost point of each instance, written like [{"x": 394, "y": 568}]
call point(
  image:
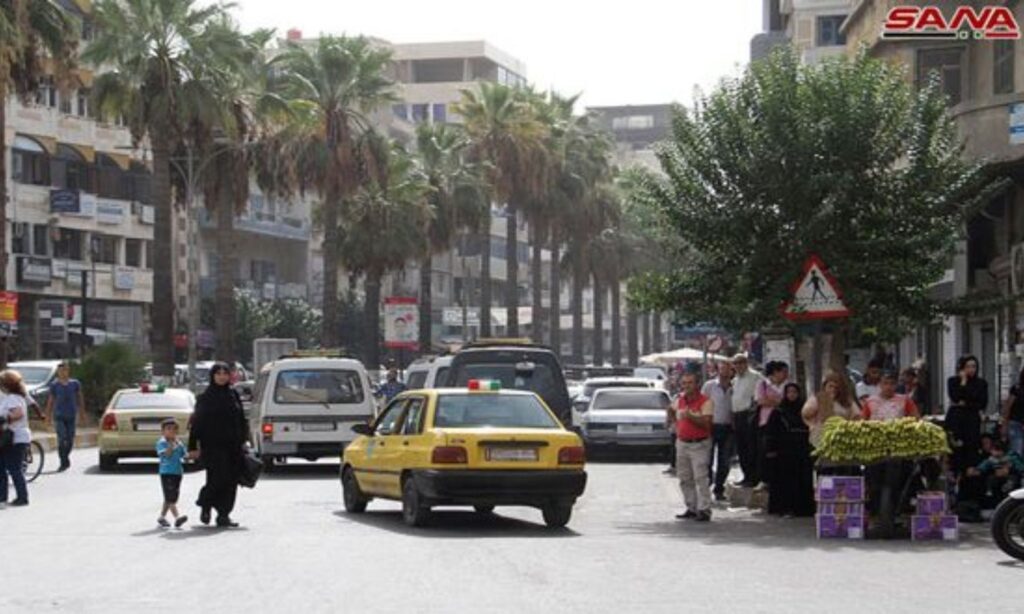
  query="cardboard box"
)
[
  {"x": 941, "y": 527},
  {"x": 931, "y": 503},
  {"x": 839, "y": 527},
  {"x": 838, "y": 488},
  {"x": 840, "y": 508}
]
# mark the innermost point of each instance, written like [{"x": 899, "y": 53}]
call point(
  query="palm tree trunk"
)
[
  {"x": 3, "y": 208},
  {"x": 330, "y": 332},
  {"x": 426, "y": 299},
  {"x": 659, "y": 339},
  {"x": 372, "y": 311},
  {"x": 224, "y": 306},
  {"x": 555, "y": 299},
  {"x": 162, "y": 310},
  {"x": 512, "y": 271},
  {"x": 599, "y": 292},
  {"x": 632, "y": 341},
  {"x": 536, "y": 278},
  {"x": 616, "y": 322},
  {"x": 577, "y": 308},
  {"x": 645, "y": 333},
  {"x": 485, "y": 278}
]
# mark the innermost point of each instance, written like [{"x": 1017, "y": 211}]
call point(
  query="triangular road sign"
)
[{"x": 815, "y": 295}]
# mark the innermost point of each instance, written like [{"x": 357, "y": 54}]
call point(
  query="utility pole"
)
[
  {"x": 194, "y": 299},
  {"x": 83, "y": 343}
]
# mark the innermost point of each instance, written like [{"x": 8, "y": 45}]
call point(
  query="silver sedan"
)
[{"x": 632, "y": 417}]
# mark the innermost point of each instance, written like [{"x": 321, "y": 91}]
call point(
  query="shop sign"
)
[
  {"x": 1017, "y": 123},
  {"x": 59, "y": 269},
  {"x": 109, "y": 212},
  {"x": 401, "y": 322},
  {"x": 53, "y": 324},
  {"x": 32, "y": 270},
  {"x": 148, "y": 215},
  {"x": 124, "y": 278},
  {"x": 9, "y": 307}
]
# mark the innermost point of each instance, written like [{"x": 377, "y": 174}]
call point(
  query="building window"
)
[
  {"x": 70, "y": 170},
  {"x": 46, "y": 95},
  {"x": 420, "y": 112},
  {"x": 1002, "y": 66},
  {"x": 440, "y": 113},
  {"x": 148, "y": 249},
  {"x": 19, "y": 238},
  {"x": 502, "y": 75},
  {"x": 65, "y": 103},
  {"x": 104, "y": 249},
  {"x": 400, "y": 111},
  {"x": 82, "y": 109},
  {"x": 133, "y": 253},
  {"x": 40, "y": 239},
  {"x": 68, "y": 244},
  {"x": 828, "y": 31},
  {"x": 947, "y": 66},
  {"x": 633, "y": 122},
  {"x": 263, "y": 271},
  {"x": 30, "y": 164}
]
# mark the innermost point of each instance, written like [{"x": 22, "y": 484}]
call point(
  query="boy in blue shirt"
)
[{"x": 171, "y": 452}]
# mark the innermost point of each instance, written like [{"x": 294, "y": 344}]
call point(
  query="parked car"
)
[
  {"x": 591, "y": 386},
  {"x": 130, "y": 426},
  {"x": 38, "y": 375},
  {"x": 427, "y": 372},
  {"x": 628, "y": 418},
  {"x": 306, "y": 407}
]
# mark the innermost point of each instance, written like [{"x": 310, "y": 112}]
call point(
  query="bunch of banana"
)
[{"x": 870, "y": 441}]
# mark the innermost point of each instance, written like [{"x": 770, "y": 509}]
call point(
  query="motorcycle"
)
[{"x": 1008, "y": 525}]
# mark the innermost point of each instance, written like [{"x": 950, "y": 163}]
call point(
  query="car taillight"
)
[
  {"x": 449, "y": 455},
  {"x": 573, "y": 455},
  {"x": 109, "y": 422},
  {"x": 268, "y": 430}
]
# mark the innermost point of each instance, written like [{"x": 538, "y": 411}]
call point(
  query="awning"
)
[
  {"x": 85, "y": 77},
  {"x": 49, "y": 143},
  {"x": 86, "y": 151},
  {"x": 123, "y": 161}
]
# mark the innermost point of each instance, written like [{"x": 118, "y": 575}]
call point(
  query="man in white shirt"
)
[
  {"x": 744, "y": 384},
  {"x": 719, "y": 390}
]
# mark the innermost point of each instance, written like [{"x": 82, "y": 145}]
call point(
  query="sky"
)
[{"x": 626, "y": 52}]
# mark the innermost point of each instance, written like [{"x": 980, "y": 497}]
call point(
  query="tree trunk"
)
[
  {"x": 658, "y": 341},
  {"x": 329, "y": 334},
  {"x": 632, "y": 341},
  {"x": 536, "y": 279},
  {"x": 512, "y": 272},
  {"x": 577, "y": 310},
  {"x": 224, "y": 306},
  {"x": 616, "y": 322},
  {"x": 485, "y": 279},
  {"x": 598, "y": 335},
  {"x": 3, "y": 209},
  {"x": 426, "y": 300},
  {"x": 645, "y": 333},
  {"x": 162, "y": 310},
  {"x": 372, "y": 311},
  {"x": 555, "y": 298}
]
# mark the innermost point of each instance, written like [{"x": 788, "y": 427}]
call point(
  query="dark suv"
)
[{"x": 519, "y": 365}]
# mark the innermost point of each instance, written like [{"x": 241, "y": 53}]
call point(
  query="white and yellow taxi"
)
[
  {"x": 478, "y": 446},
  {"x": 130, "y": 426}
]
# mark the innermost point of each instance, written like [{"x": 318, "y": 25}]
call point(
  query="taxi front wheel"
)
[
  {"x": 557, "y": 515},
  {"x": 414, "y": 512}
]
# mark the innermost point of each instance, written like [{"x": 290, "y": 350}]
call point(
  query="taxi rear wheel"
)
[
  {"x": 108, "y": 462},
  {"x": 414, "y": 512},
  {"x": 355, "y": 500},
  {"x": 557, "y": 515}
]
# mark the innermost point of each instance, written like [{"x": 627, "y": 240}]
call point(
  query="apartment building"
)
[
  {"x": 80, "y": 224},
  {"x": 812, "y": 27}
]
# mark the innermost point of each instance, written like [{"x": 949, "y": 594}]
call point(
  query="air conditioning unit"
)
[{"x": 1017, "y": 268}]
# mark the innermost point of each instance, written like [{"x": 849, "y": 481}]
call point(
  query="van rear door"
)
[{"x": 316, "y": 404}]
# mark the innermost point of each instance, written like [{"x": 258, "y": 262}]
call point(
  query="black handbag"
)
[
  {"x": 251, "y": 469},
  {"x": 6, "y": 434}
]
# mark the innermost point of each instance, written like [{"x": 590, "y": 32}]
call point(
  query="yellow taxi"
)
[
  {"x": 478, "y": 446},
  {"x": 130, "y": 426}
]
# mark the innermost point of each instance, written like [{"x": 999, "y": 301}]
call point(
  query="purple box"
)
[
  {"x": 944, "y": 527},
  {"x": 840, "y": 508},
  {"x": 931, "y": 503},
  {"x": 839, "y": 527},
  {"x": 836, "y": 488}
]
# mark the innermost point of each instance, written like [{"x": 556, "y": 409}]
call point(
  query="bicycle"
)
[{"x": 35, "y": 458}]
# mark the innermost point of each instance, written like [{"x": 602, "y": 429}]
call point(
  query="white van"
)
[
  {"x": 306, "y": 407},
  {"x": 427, "y": 372}
]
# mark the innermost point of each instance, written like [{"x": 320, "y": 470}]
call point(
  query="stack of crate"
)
[
  {"x": 840, "y": 507},
  {"x": 933, "y": 521}
]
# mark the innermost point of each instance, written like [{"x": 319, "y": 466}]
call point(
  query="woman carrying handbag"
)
[{"x": 15, "y": 437}]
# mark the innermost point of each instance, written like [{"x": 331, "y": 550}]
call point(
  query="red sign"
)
[
  {"x": 401, "y": 322},
  {"x": 984, "y": 23},
  {"x": 9, "y": 307},
  {"x": 815, "y": 295}
]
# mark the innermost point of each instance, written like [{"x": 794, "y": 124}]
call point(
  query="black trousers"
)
[
  {"x": 745, "y": 438},
  {"x": 965, "y": 426},
  {"x": 222, "y": 470},
  {"x": 721, "y": 451}
]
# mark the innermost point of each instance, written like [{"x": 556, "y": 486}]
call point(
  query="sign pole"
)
[
  {"x": 816, "y": 352},
  {"x": 85, "y": 313}
]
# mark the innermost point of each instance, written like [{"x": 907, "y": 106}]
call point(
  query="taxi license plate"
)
[
  {"x": 147, "y": 426},
  {"x": 634, "y": 429},
  {"x": 319, "y": 426},
  {"x": 511, "y": 454}
]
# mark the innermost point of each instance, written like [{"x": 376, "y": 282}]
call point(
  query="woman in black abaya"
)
[
  {"x": 218, "y": 436},
  {"x": 789, "y": 458}
]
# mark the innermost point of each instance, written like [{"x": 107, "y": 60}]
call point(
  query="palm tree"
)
[
  {"x": 30, "y": 32},
  {"x": 457, "y": 197},
  {"x": 157, "y": 53},
  {"x": 333, "y": 86},
  {"x": 384, "y": 222},
  {"x": 509, "y": 138}
]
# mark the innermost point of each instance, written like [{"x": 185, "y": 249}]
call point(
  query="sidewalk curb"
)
[{"x": 84, "y": 438}]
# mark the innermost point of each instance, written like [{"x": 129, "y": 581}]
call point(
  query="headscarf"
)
[{"x": 792, "y": 406}]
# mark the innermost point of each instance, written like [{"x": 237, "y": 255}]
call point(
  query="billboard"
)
[{"x": 401, "y": 322}]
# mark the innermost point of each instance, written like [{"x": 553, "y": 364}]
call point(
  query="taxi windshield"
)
[
  {"x": 491, "y": 410},
  {"x": 631, "y": 399},
  {"x": 152, "y": 400}
]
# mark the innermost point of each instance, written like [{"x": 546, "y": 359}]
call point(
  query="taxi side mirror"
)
[{"x": 362, "y": 429}]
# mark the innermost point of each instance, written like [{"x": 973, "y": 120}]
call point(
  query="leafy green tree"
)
[
  {"x": 296, "y": 319},
  {"x": 842, "y": 159},
  {"x": 105, "y": 370}
]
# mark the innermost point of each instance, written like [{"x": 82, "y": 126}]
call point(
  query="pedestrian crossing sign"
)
[{"x": 815, "y": 295}]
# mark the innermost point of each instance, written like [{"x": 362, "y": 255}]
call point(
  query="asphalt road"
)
[{"x": 89, "y": 543}]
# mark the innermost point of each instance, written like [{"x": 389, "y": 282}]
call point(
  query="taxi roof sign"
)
[{"x": 484, "y": 384}]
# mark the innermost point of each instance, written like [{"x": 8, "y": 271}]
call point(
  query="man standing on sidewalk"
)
[
  {"x": 719, "y": 390},
  {"x": 744, "y": 384},
  {"x": 693, "y": 449},
  {"x": 63, "y": 404}
]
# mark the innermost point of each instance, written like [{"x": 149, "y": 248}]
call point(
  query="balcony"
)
[
  {"x": 985, "y": 126},
  {"x": 63, "y": 278},
  {"x": 266, "y": 291},
  {"x": 262, "y": 223}
]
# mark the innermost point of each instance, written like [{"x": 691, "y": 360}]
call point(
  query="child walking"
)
[{"x": 171, "y": 452}]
